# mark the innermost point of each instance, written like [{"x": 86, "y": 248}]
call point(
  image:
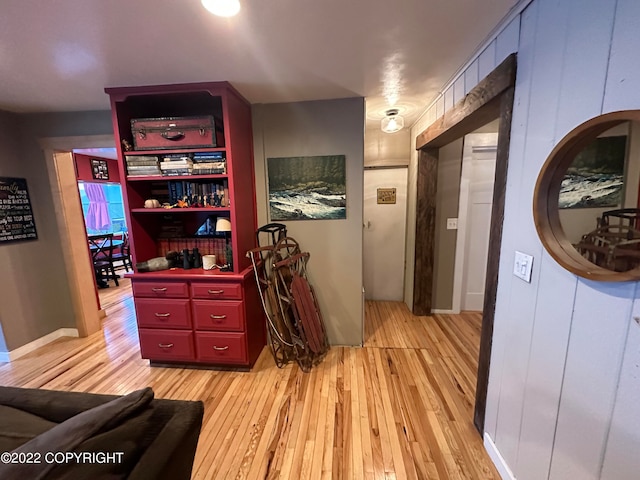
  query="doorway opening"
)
[
  {"x": 492, "y": 98},
  {"x": 66, "y": 198}
]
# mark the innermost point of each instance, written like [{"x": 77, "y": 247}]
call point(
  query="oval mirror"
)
[{"x": 586, "y": 205}]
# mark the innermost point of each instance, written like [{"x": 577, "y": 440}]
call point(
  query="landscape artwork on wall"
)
[
  {"x": 307, "y": 188},
  {"x": 596, "y": 175}
]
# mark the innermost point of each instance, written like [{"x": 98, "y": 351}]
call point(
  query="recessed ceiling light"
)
[{"x": 222, "y": 8}]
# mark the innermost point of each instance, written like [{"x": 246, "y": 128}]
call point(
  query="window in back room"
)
[{"x": 102, "y": 207}]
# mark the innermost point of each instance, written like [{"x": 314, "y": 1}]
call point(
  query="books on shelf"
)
[
  {"x": 178, "y": 164},
  {"x": 209, "y": 163},
  {"x": 209, "y": 168},
  {"x": 143, "y": 166},
  {"x": 174, "y": 164},
  {"x": 211, "y": 194}
]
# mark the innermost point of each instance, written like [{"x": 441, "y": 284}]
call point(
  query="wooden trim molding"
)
[
  {"x": 64, "y": 191},
  {"x": 546, "y": 214},
  {"x": 492, "y": 98},
  {"x": 425, "y": 229},
  {"x": 493, "y": 258}
]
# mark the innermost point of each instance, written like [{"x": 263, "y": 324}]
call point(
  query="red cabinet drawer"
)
[
  {"x": 226, "y": 291},
  {"x": 212, "y": 315},
  {"x": 221, "y": 347},
  {"x": 169, "y": 345},
  {"x": 160, "y": 289},
  {"x": 165, "y": 313}
]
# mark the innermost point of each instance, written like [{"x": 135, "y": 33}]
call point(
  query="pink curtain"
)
[{"x": 98, "y": 212}]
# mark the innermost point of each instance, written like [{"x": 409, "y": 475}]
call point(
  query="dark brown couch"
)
[{"x": 133, "y": 436}]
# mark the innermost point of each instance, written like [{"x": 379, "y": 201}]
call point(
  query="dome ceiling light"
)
[
  {"x": 222, "y": 8},
  {"x": 392, "y": 122}
]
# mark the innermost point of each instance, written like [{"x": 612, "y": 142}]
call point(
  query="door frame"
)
[
  {"x": 492, "y": 98},
  {"x": 462, "y": 232},
  {"x": 66, "y": 202}
]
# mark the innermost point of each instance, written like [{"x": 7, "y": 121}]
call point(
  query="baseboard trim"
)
[
  {"x": 497, "y": 459},
  {"x": 439, "y": 311},
  {"x": 37, "y": 343}
]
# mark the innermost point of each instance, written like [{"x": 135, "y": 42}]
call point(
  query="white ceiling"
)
[{"x": 59, "y": 55}]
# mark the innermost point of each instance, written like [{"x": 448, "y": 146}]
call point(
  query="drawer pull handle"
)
[
  {"x": 165, "y": 345},
  {"x": 218, "y": 317},
  {"x": 215, "y": 292},
  {"x": 220, "y": 349},
  {"x": 163, "y": 314},
  {"x": 158, "y": 289}
]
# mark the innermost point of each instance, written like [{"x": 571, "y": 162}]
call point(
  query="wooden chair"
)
[
  {"x": 101, "y": 247},
  {"x": 614, "y": 247},
  {"x": 124, "y": 255}
]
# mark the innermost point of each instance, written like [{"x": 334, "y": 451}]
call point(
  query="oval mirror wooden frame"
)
[{"x": 546, "y": 213}]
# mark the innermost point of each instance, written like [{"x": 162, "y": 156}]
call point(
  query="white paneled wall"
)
[{"x": 564, "y": 384}]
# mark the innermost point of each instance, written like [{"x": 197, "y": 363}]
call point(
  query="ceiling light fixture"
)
[
  {"x": 392, "y": 122},
  {"x": 222, "y": 8}
]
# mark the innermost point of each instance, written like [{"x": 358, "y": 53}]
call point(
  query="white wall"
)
[
  {"x": 331, "y": 127},
  {"x": 564, "y": 389},
  {"x": 559, "y": 342}
]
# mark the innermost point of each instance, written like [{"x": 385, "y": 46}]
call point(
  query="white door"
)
[
  {"x": 476, "y": 194},
  {"x": 384, "y": 234}
]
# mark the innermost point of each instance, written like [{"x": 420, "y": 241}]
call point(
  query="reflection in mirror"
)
[{"x": 598, "y": 199}]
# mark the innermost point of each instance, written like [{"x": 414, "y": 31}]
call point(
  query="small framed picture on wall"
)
[
  {"x": 387, "y": 195},
  {"x": 99, "y": 169}
]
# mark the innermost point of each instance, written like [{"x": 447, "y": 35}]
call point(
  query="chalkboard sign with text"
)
[{"x": 16, "y": 217}]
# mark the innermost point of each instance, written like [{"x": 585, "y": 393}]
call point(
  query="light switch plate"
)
[
  {"x": 452, "y": 223},
  {"x": 522, "y": 266}
]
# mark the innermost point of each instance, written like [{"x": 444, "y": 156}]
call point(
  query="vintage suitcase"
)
[{"x": 175, "y": 132}]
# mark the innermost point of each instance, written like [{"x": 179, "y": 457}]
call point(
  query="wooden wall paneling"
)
[
  {"x": 623, "y": 78},
  {"x": 621, "y": 459},
  {"x": 448, "y": 98},
  {"x": 584, "y": 71},
  {"x": 458, "y": 89},
  {"x": 503, "y": 319},
  {"x": 545, "y": 49},
  {"x": 594, "y": 358},
  {"x": 508, "y": 39},
  {"x": 487, "y": 60},
  {"x": 579, "y": 98},
  {"x": 425, "y": 231},
  {"x": 471, "y": 77},
  {"x": 550, "y": 336},
  {"x": 440, "y": 107}
]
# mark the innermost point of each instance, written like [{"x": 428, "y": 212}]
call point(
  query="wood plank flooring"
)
[{"x": 399, "y": 408}]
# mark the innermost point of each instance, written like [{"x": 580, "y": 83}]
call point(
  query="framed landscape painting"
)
[
  {"x": 596, "y": 175},
  {"x": 307, "y": 188}
]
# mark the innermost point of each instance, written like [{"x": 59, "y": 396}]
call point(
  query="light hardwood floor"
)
[{"x": 401, "y": 407}]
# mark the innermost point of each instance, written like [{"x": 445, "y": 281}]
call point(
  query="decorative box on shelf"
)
[{"x": 174, "y": 132}]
